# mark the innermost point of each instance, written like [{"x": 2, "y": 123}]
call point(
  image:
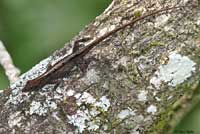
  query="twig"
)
[{"x": 6, "y": 61}]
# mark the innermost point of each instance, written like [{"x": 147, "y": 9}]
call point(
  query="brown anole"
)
[{"x": 59, "y": 69}]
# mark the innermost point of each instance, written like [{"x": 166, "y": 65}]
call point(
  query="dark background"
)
[{"x": 33, "y": 29}]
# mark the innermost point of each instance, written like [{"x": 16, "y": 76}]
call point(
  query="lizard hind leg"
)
[
  {"x": 79, "y": 43},
  {"x": 57, "y": 82}
]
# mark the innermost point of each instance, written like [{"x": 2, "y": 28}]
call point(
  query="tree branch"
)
[{"x": 137, "y": 81}]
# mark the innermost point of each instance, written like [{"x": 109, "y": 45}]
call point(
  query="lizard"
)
[{"x": 59, "y": 69}]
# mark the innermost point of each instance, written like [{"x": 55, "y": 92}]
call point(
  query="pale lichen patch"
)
[
  {"x": 89, "y": 108},
  {"x": 198, "y": 22},
  {"x": 79, "y": 119},
  {"x": 49, "y": 103},
  {"x": 103, "y": 103},
  {"x": 93, "y": 125},
  {"x": 129, "y": 40},
  {"x": 126, "y": 113},
  {"x": 139, "y": 118},
  {"x": 161, "y": 20},
  {"x": 176, "y": 71},
  {"x": 142, "y": 96},
  {"x": 17, "y": 99},
  {"x": 37, "y": 108},
  {"x": 70, "y": 92},
  {"x": 85, "y": 98},
  {"x": 123, "y": 61},
  {"x": 55, "y": 115},
  {"x": 15, "y": 119},
  {"x": 91, "y": 77},
  {"x": 40, "y": 108},
  {"x": 152, "y": 109},
  {"x": 157, "y": 98}
]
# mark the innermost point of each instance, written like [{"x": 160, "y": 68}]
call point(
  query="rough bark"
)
[{"x": 143, "y": 79}]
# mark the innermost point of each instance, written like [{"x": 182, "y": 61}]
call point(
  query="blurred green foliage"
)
[
  {"x": 32, "y": 29},
  {"x": 191, "y": 123}
]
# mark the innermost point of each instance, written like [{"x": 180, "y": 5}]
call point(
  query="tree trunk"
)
[{"x": 142, "y": 79}]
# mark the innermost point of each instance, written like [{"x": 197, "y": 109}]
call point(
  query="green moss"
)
[
  {"x": 156, "y": 43},
  {"x": 124, "y": 2},
  {"x": 152, "y": 44},
  {"x": 161, "y": 125},
  {"x": 138, "y": 13},
  {"x": 132, "y": 72},
  {"x": 130, "y": 126},
  {"x": 174, "y": 113}
]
